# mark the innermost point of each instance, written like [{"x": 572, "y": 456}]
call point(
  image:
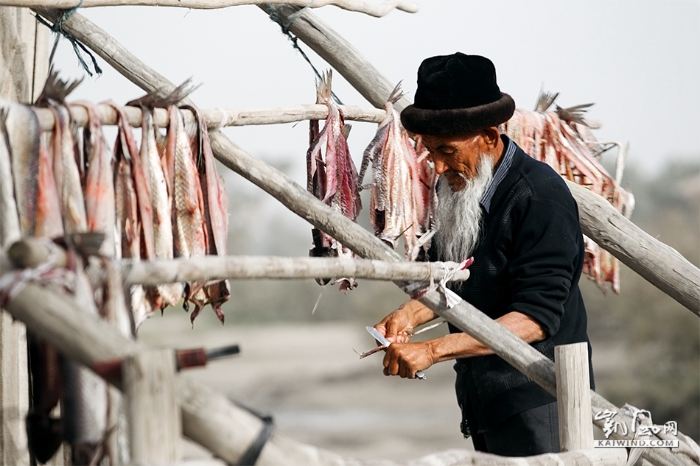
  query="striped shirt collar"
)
[{"x": 500, "y": 174}]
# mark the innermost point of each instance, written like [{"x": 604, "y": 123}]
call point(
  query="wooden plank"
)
[
  {"x": 464, "y": 316},
  {"x": 358, "y": 6},
  {"x": 658, "y": 263},
  {"x": 250, "y": 267},
  {"x": 573, "y": 397},
  {"x": 216, "y": 117},
  {"x": 155, "y": 426}
]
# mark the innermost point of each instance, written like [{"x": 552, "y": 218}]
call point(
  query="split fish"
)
[
  {"x": 331, "y": 175},
  {"x": 399, "y": 199},
  {"x": 24, "y": 136},
  {"x": 9, "y": 217},
  {"x": 130, "y": 225},
  {"x": 190, "y": 236},
  {"x": 100, "y": 203},
  {"x": 63, "y": 152},
  {"x": 215, "y": 202}
]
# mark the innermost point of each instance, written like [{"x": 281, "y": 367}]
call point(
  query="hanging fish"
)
[
  {"x": 331, "y": 175},
  {"x": 215, "y": 203},
  {"x": 63, "y": 152},
  {"x": 9, "y": 217},
  {"x": 190, "y": 236},
  {"x": 399, "y": 199},
  {"x": 133, "y": 209}
]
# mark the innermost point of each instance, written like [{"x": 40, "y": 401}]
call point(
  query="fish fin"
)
[
  {"x": 545, "y": 100},
  {"x": 55, "y": 88},
  {"x": 156, "y": 99}
]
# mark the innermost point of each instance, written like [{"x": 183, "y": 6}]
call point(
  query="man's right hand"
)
[{"x": 398, "y": 325}]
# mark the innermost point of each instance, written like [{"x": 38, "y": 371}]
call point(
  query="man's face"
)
[{"x": 456, "y": 157}]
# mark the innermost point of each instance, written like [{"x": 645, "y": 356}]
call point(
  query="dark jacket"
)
[{"x": 529, "y": 259}]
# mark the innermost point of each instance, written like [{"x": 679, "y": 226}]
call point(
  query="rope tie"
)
[
  {"x": 14, "y": 282},
  {"x": 285, "y": 25},
  {"x": 57, "y": 27},
  {"x": 419, "y": 289}
]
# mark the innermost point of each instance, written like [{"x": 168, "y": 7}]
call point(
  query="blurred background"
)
[{"x": 638, "y": 61}]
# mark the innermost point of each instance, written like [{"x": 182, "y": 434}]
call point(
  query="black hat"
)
[{"x": 457, "y": 94}]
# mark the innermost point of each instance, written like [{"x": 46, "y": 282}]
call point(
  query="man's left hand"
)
[{"x": 405, "y": 359}]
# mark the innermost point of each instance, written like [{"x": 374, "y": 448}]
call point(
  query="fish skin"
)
[
  {"x": 9, "y": 217},
  {"x": 127, "y": 210},
  {"x": 64, "y": 156},
  {"x": 100, "y": 201},
  {"x": 24, "y": 134},
  {"x": 190, "y": 238},
  {"x": 332, "y": 176},
  {"x": 161, "y": 205},
  {"x": 215, "y": 202},
  {"x": 398, "y": 201},
  {"x": 49, "y": 222}
]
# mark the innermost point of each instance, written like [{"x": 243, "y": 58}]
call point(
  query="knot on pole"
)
[
  {"x": 57, "y": 27},
  {"x": 285, "y": 25}
]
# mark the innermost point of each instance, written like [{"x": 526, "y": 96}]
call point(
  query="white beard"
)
[{"x": 459, "y": 214}]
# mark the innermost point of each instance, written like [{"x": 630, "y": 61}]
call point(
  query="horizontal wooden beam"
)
[
  {"x": 258, "y": 267},
  {"x": 216, "y": 117},
  {"x": 359, "y": 6}
]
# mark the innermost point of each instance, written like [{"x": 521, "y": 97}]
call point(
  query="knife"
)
[{"x": 385, "y": 343}]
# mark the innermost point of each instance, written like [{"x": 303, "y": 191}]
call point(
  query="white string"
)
[
  {"x": 12, "y": 283},
  {"x": 419, "y": 289}
]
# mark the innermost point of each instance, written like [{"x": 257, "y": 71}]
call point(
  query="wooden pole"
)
[
  {"x": 23, "y": 70},
  {"x": 464, "y": 316},
  {"x": 573, "y": 397},
  {"x": 250, "y": 267},
  {"x": 658, "y": 263},
  {"x": 155, "y": 427},
  {"x": 358, "y": 6},
  {"x": 216, "y": 117}
]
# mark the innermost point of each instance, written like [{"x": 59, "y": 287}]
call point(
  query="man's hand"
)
[
  {"x": 398, "y": 325},
  {"x": 405, "y": 359}
]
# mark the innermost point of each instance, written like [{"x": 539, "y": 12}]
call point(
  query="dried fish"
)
[
  {"x": 161, "y": 205},
  {"x": 399, "y": 199},
  {"x": 188, "y": 206},
  {"x": 215, "y": 216},
  {"x": 24, "y": 136},
  {"x": 100, "y": 201},
  {"x": 9, "y": 218},
  {"x": 63, "y": 152},
  {"x": 331, "y": 175},
  {"x": 132, "y": 217}
]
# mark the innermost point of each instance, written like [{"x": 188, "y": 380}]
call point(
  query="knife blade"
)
[{"x": 420, "y": 375}]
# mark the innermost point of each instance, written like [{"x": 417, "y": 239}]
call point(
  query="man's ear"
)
[{"x": 491, "y": 136}]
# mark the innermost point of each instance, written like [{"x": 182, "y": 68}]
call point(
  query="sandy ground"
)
[{"x": 318, "y": 390}]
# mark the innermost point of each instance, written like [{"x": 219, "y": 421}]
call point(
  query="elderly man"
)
[{"x": 518, "y": 220}]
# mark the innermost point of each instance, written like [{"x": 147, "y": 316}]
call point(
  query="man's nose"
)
[{"x": 440, "y": 165}]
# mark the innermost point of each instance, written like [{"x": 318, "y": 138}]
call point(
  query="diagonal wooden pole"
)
[{"x": 464, "y": 316}]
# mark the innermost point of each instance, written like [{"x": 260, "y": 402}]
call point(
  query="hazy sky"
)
[{"x": 639, "y": 61}]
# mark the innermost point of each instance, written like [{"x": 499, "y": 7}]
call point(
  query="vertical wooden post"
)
[
  {"x": 573, "y": 397},
  {"x": 155, "y": 426}
]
